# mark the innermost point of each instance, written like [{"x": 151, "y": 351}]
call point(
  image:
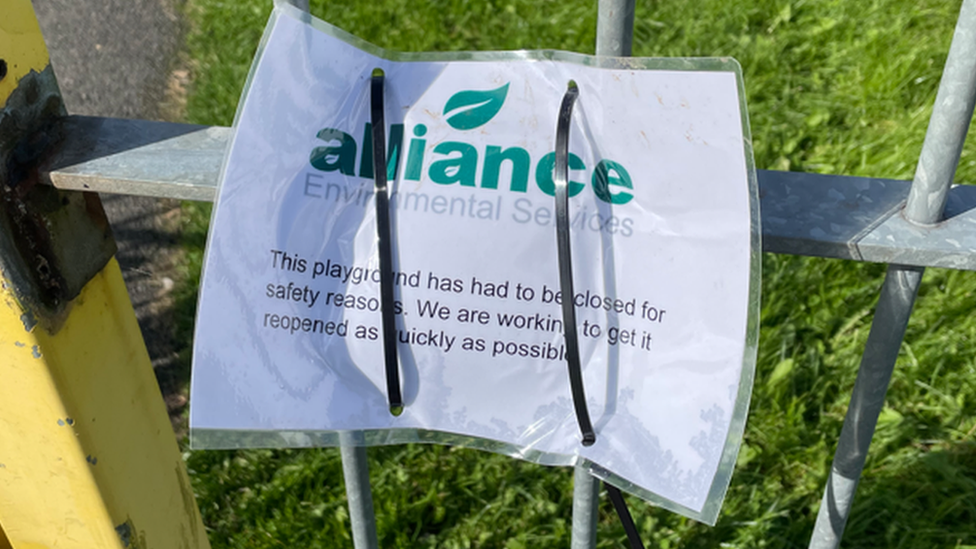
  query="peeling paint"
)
[
  {"x": 19, "y": 344},
  {"x": 60, "y": 422},
  {"x": 36, "y": 351},
  {"x": 124, "y": 531},
  {"x": 29, "y": 321},
  {"x": 90, "y": 459}
]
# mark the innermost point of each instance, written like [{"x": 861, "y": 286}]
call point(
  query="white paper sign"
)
[{"x": 288, "y": 348}]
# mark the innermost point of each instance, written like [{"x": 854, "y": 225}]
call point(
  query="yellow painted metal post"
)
[{"x": 87, "y": 454}]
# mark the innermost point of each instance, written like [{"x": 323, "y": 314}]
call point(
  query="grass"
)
[{"x": 833, "y": 86}]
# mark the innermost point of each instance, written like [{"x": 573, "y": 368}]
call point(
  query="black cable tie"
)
[
  {"x": 561, "y": 182},
  {"x": 628, "y": 522},
  {"x": 384, "y": 237}
]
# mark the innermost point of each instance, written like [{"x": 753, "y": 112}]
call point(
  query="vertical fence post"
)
[
  {"x": 950, "y": 120},
  {"x": 936, "y": 168},
  {"x": 615, "y": 28},
  {"x": 355, "y": 472},
  {"x": 614, "y": 37},
  {"x": 586, "y": 500},
  {"x": 355, "y": 467},
  {"x": 300, "y": 4}
]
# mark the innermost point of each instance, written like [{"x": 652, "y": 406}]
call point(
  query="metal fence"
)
[{"x": 905, "y": 225}]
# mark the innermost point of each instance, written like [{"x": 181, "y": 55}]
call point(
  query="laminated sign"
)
[{"x": 291, "y": 347}]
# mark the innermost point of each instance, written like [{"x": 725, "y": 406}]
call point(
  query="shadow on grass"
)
[{"x": 193, "y": 237}]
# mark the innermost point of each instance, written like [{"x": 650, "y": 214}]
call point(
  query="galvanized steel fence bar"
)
[
  {"x": 614, "y": 37},
  {"x": 355, "y": 472},
  {"x": 355, "y": 465}
]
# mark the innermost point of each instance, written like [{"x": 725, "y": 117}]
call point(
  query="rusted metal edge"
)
[{"x": 52, "y": 242}]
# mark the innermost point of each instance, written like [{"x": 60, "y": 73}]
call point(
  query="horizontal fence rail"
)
[{"x": 833, "y": 216}]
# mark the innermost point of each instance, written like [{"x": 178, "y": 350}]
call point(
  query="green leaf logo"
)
[{"x": 466, "y": 110}]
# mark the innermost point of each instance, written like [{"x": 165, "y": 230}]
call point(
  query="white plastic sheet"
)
[{"x": 288, "y": 346}]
